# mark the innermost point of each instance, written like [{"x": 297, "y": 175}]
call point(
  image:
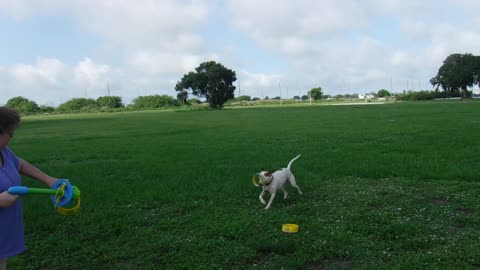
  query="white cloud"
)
[
  {"x": 254, "y": 80},
  {"x": 45, "y": 73},
  {"x": 88, "y": 75},
  {"x": 20, "y": 9},
  {"x": 400, "y": 58},
  {"x": 447, "y": 39},
  {"x": 417, "y": 30},
  {"x": 257, "y": 84},
  {"x": 166, "y": 63},
  {"x": 162, "y": 25},
  {"x": 291, "y": 28}
]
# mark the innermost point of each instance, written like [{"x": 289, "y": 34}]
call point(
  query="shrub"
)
[
  {"x": 244, "y": 98},
  {"x": 194, "y": 101},
  {"x": 155, "y": 101},
  {"x": 110, "y": 102},
  {"x": 45, "y": 109},
  {"x": 78, "y": 104},
  {"x": 416, "y": 95}
]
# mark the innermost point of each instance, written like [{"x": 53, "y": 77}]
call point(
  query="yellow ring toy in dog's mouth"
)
[
  {"x": 290, "y": 228},
  {"x": 256, "y": 180}
]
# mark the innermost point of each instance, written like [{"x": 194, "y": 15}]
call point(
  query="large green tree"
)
[
  {"x": 456, "y": 73},
  {"x": 23, "y": 105},
  {"x": 316, "y": 93},
  {"x": 383, "y": 93},
  {"x": 210, "y": 80}
]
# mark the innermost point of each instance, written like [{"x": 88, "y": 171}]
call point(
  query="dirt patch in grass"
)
[
  {"x": 439, "y": 201},
  {"x": 466, "y": 211}
]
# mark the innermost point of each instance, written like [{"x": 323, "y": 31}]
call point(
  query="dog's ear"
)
[
  {"x": 269, "y": 173},
  {"x": 262, "y": 169}
]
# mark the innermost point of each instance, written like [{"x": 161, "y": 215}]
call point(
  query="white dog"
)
[{"x": 275, "y": 180}]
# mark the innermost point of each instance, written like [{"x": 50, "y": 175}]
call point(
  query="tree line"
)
[{"x": 214, "y": 82}]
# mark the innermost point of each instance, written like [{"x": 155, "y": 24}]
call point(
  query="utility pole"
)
[
  {"x": 310, "y": 97},
  {"x": 280, "y": 88}
]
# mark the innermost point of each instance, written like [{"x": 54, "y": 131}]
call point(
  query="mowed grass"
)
[{"x": 385, "y": 186}]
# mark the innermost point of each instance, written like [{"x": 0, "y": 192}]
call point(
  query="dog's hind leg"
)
[
  {"x": 285, "y": 193},
  {"x": 291, "y": 178},
  {"x": 271, "y": 200},
  {"x": 261, "y": 197}
]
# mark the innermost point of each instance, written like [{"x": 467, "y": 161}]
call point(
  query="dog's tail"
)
[{"x": 291, "y": 161}]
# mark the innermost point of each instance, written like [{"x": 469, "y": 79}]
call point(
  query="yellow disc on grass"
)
[{"x": 290, "y": 228}]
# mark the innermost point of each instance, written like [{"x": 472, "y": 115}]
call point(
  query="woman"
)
[{"x": 11, "y": 167}]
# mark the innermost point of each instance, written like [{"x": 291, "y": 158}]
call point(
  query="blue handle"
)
[{"x": 18, "y": 190}]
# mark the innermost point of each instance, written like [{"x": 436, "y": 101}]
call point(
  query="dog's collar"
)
[
  {"x": 260, "y": 180},
  {"x": 271, "y": 180}
]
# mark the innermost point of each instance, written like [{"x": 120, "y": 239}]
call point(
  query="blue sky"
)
[{"x": 55, "y": 50}]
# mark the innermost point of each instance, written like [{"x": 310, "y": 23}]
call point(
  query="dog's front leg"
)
[
  {"x": 271, "y": 200},
  {"x": 261, "y": 197}
]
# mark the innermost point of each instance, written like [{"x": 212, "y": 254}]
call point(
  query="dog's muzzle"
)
[{"x": 259, "y": 180}]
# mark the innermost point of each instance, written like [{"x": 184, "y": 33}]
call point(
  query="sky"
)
[{"x": 55, "y": 50}]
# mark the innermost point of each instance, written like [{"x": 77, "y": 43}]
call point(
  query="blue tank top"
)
[{"x": 12, "y": 239}]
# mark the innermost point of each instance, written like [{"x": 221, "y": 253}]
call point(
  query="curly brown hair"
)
[{"x": 9, "y": 120}]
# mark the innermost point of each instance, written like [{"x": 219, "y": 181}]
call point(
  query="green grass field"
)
[{"x": 385, "y": 187}]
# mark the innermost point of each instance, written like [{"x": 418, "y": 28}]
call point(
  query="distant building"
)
[{"x": 365, "y": 96}]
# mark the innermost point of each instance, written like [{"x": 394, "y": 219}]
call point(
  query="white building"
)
[{"x": 365, "y": 96}]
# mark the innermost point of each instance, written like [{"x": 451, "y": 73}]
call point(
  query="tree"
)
[
  {"x": 316, "y": 93},
  {"x": 210, "y": 80},
  {"x": 22, "y": 105},
  {"x": 456, "y": 73},
  {"x": 383, "y": 93},
  {"x": 304, "y": 97}
]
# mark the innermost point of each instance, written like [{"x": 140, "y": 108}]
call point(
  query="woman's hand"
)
[{"x": 7, "y": 199}]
